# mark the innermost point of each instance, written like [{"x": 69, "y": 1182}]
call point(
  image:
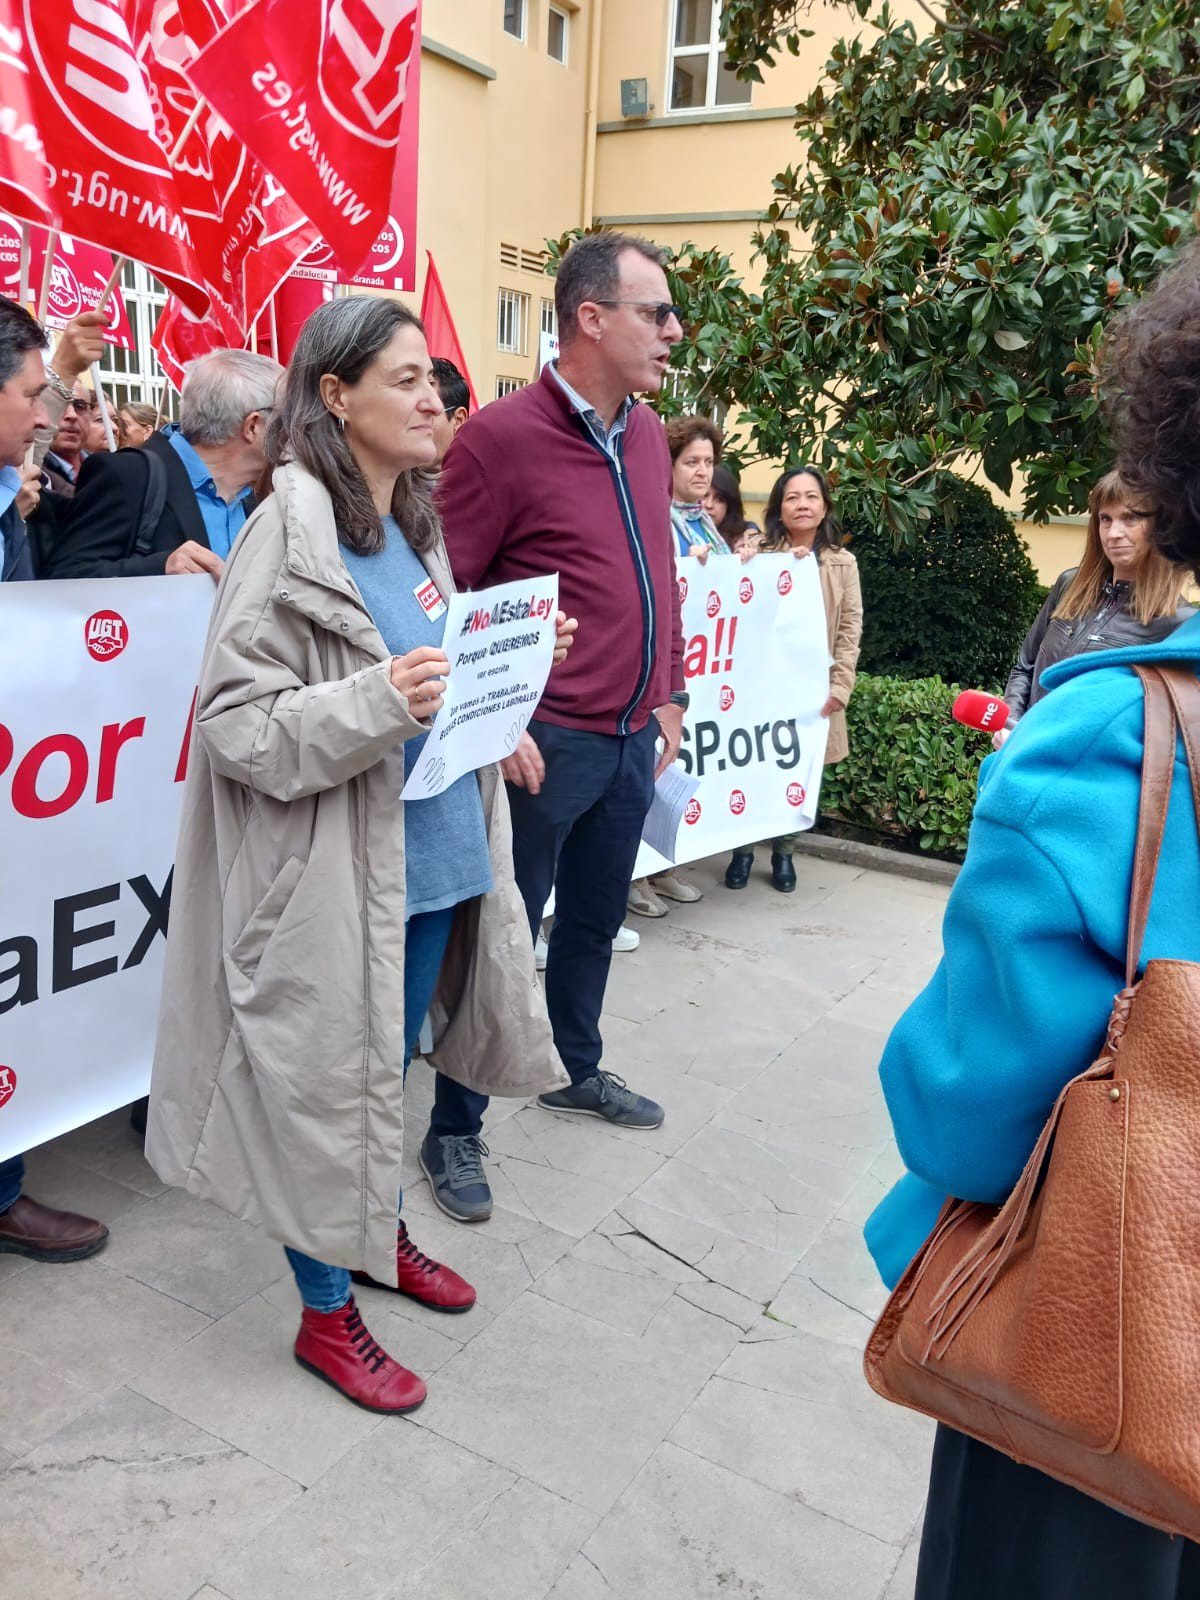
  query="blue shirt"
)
[
  {"x": 446, "y": 854},
  {"x": 604, "y": 436},
  {"x": 223, "y": 519},
  {"x": 10, "y": 487}
]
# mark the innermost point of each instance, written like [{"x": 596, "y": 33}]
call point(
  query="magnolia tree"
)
[{"x": 971, "y": 200}]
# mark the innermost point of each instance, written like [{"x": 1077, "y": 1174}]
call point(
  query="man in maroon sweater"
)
[{"x": 572, "y": 475}]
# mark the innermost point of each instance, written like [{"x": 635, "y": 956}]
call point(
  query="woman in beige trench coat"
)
[
  {"x": 800, "y": 517},
  {"x": 312, "y": 915}
]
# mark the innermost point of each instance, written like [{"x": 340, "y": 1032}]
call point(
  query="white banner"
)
[
  {"x": 500, "y": 645},
  {"x": 756, "y": 661},
  {"x": 96, "y": 687}
]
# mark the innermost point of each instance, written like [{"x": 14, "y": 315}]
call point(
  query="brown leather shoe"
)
[{"x": 42, "y": 1234}]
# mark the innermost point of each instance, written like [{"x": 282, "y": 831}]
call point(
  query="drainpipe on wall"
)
[{"x": 593, "y": 101}]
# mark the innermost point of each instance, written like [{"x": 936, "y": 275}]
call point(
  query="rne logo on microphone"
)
[
  {"x": 691, "y": 813},
  {"x": 8, "y": 1085},
  {"x": 713, "y": 605},
  {"x": 727, "y": 697},
  {"x": 105, "y": 635},
  {"x": 737, "y": 802}
]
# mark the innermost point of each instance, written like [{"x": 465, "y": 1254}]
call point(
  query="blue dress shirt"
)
[{"x": 223, "y": 519}]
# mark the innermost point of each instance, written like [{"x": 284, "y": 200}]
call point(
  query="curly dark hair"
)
[{"x": 1150, "y": 380}]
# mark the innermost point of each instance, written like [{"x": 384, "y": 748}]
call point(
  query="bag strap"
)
[
  {"x": 1158, "y": 771},
  {"x": 152, "y": 504},
  {"x": 1184, "y": 688}
]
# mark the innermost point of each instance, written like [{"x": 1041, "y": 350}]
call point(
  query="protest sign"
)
[
  {"x": 77, "y": 280},
  {"x": 99, "y": 680},
  {"x": 500, "y": 643},
  {"x": 756, "y": 663}
]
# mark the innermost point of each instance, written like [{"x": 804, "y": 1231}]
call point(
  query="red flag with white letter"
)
[
  {"x": 24, "y": 175},
  {"x": 317, "y": 91},
  {"x": 110, "y": 180}
]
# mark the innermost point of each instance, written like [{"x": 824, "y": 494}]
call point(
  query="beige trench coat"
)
[
  {"x": 842, "y": 594},
  {"x": 278, "y": 1078}
]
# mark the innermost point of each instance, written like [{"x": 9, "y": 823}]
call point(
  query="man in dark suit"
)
[
  {"x": 27, "y": 1228},
  {"x": 130, "y": 519}
]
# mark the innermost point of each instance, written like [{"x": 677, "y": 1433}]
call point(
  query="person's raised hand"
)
[
  {"x": 192, "y": 557},
  {"x": 525, "y": 767},
  {"x": 80, "y": 343},
  {"x": 701, "y": 552},
  {"x": 1000, "y": 738},
  {"x": 420, "y": 677},
  {"x": 30, "y": 493},
  {"x": 564, "y": 638}
]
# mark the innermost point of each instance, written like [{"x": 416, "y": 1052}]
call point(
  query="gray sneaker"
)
[
  {"x": 605, "y": 1095},
  {"x": 454, "y": 1166}
]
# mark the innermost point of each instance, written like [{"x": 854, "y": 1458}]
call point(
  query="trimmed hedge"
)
[
  {"x": 956, "y": 603},
  {"x": 912, "y": 770}
]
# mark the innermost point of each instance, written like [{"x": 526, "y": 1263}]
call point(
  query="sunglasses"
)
[
  {"x": 80, "y": 405},
  {"x": 661, "y": 312}
]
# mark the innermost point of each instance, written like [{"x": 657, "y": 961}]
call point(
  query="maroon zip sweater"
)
[{"x": 525, "y": 490}]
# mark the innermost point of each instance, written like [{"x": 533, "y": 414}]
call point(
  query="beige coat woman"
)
[
  {"x": 842, "y": 594},
  {"x": 278, "y": 1078}
]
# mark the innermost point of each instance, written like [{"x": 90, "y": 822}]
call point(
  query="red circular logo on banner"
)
[
  {"x": 691, "y": 813},
  {"x": 727, "y": 697},
  {"x": 745, "y": 591},
  {"x": 105, "y": 635},
  {"x": 8, "y": 1085},
  {"x": 795, "y": 794},
  {"x": 714, "y": 603},
  {"x": 737, "y": 802},
  {"x": 65, "y": 299},
  {"x": 682, "y": 590},
  {"x": 785, "y": 582}
]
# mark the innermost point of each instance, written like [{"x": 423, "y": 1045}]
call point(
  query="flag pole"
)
[
  {"x": 98, "y": 389},
  {"x": 24, "y": 290},
  {"x": 274, "y": 328},
  {"x": 188, "y": 130},
  {"x": 43, "y": 299},
  {"x": 118, "y": 265}
]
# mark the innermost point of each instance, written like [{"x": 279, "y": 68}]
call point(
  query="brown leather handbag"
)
[{"x": 1064, "y": 1327}]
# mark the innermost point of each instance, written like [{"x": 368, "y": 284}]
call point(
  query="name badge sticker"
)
[{"x": 430, "y": 600}]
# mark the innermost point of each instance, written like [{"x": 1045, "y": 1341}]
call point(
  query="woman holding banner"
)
[
  {"x": 317, "y": 916},
  {"x": 800, "y": 518}
]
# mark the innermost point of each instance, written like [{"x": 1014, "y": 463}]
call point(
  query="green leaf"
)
[{"x": 1009, "y": 339}]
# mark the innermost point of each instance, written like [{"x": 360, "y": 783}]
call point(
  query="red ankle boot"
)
[
  {"x": 335, "y": 1346},
  {"x": 423, "y": 1280}
]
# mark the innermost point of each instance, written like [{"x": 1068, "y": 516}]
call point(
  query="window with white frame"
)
[
  {"x": 512, "y": 322},
  {"x": 549, "y": 323},
  {"x": 700, "y": 76},
  {"x": 135, "y": 375},
  {"x": 514, "y": 18},
  {"x": 508, "y": 386},
  {"x": 558, "y": 32}
]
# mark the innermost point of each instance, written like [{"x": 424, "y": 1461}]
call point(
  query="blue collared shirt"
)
[
  {"x": 223, "y": 519},
  {"x": 605, "y": 437},
  {"x": 10, "y": 488}
]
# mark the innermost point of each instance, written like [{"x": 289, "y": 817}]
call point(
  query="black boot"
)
[
  {"x": 737, "y": 873},
  {"x": 783, "y": 873}
]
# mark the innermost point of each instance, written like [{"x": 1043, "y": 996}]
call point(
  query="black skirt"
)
[{"x": 995, "y": 1530}]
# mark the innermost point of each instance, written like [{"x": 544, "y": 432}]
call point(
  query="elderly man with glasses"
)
[
  {"x": 178, "y": 503},
  {"x": 572, "y": 475}
]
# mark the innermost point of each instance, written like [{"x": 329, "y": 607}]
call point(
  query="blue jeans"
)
[
  {"x": 578, "y": 836},
  {"x": 326, "y": 1288},
  {"x": 12, "y": 1176}
]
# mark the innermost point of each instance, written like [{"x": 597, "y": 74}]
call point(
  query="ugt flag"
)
[{"x": 317, "y": 92}]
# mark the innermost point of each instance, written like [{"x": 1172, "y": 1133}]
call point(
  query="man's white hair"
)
[{"x": 221, "y": 390}]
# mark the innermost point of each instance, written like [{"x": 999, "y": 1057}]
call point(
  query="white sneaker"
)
[
  {"x": 672, "y": 888},
  {"x": 627, "y": 939},
  {"x": 540, "y": 951}
]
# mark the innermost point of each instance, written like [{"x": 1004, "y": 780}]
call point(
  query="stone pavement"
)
[{"x": 658, "y": 1396}]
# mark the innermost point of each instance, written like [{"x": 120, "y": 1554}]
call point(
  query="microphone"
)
[{"x": 975, "y": 709}]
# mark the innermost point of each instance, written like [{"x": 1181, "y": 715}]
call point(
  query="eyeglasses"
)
[
  {"x": 80, "y": 405},
  {"x": 662, "y": 312}
]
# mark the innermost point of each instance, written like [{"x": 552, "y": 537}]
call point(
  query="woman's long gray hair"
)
[{"x": 343, "y": 337}]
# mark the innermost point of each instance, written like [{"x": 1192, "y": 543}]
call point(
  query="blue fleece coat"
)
[{"x": 1034, "y": 941}]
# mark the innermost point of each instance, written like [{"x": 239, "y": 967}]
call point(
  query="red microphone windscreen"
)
[{"x": 986, "y": 712}]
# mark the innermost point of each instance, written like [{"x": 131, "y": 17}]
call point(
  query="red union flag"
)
[
  {"x": 77, "y": 279},
  {"x": 317, "y": 91},
  {"x": 111, "y": 182},
  {"x": 24, "y": 175}
]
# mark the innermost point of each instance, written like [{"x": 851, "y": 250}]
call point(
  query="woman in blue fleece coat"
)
[{"x": 1034, "y": 954}]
